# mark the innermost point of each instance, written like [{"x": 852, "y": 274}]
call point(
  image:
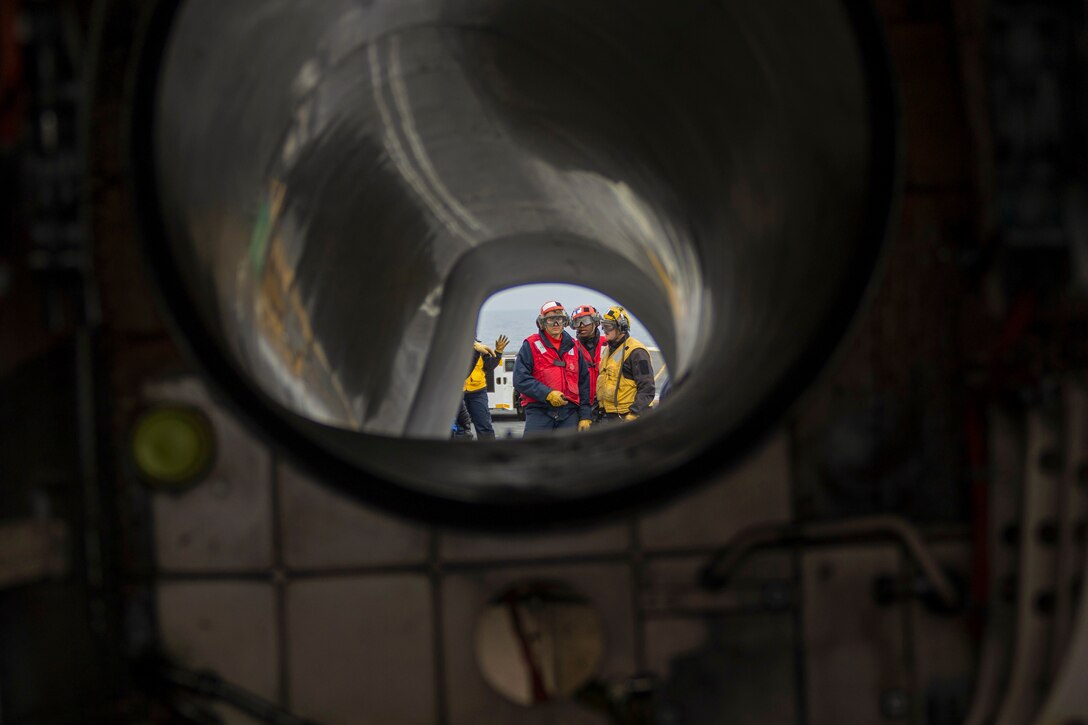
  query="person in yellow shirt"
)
[
  {"x": 484, "y": 361},
  {"x": 625, "y": 384}
]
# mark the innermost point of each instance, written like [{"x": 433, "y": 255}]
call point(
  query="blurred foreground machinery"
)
[{"x": 913, "y": 546}]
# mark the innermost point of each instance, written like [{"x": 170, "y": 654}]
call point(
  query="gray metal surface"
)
[
  {"x": 1007, "y": 461},
  {"x": 1036, "y": 571},
  {"x": 344, "y": 184},
  {"x": 1067, "y": 700}
]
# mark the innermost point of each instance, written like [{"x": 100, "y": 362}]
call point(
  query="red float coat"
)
[
  {"x": 562, "y": 378},
  {"x": 594, "y": 365}
]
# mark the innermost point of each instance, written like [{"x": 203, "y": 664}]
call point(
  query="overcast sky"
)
[{"x": 532, "y": 296}]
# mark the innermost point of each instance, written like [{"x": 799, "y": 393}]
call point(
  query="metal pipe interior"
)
[{"x": 345, "y": 183}]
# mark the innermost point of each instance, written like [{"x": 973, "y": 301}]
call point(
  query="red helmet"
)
[
  {"x": 585, "y": 311},
  {"x": 551, "y": 308}
]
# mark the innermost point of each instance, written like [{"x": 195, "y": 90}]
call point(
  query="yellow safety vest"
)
[
  {"x": 615, "y": 393},
  {"x": 476, "y": 379}
]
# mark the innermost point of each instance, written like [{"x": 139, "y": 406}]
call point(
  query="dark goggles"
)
[
  {"x": 584, "y": 321},
  {"x": 552, "y": 320},
  {"x": 608, "y": 326}
]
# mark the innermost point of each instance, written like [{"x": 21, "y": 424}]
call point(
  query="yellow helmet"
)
[{"x": 618, "y": 316}]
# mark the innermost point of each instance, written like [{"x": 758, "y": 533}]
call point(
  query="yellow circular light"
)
[{"x": 173, "y": 445}]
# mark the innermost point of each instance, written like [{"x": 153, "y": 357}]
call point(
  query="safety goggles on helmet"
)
[
  {"x": 585, "y": 315},
  {"x": 616, "y": 317}
]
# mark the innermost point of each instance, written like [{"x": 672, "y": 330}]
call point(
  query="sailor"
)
[
  {"x": 585, "y": 322},
  {"x": 484, "y": 361},
  {"x": 462, "y": 425},
  {"x": 550, "y": 376},
  {"x": 625, "y": 386}
]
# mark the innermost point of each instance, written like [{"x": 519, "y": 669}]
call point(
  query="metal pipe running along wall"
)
[{"x": 332, "y": 188}]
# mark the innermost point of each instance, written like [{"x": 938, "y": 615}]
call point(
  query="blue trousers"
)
[
  {"x": 478, "y": 409},
  {"x": 462, "y": 424},
  {"x": 545, "y": 420}
]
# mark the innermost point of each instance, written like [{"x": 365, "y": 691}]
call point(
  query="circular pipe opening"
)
[{"x": 330, "y": 190}]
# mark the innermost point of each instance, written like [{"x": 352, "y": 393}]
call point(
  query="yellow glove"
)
[
  {"x": 556, "y": 399},
  {"x": 482, "y": 348},
  {"x": 630, "y": 416},
  {"x": 584, "y": 425},
  {"x": 501, "y": 344}
]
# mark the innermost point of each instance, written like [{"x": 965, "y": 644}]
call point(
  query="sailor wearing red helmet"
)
[
  {"x": 551, "y": 377},
  {"x": 585, "y": 321}
]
